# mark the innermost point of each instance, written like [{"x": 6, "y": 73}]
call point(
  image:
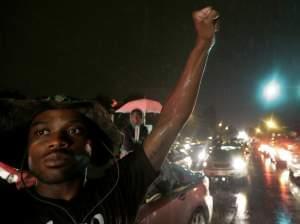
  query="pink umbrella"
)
[{"x": 145, "y": 105}]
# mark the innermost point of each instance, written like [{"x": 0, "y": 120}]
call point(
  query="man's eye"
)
[
  {"x": 41, "y": 132},
  {"x": 74, "y": 131}
]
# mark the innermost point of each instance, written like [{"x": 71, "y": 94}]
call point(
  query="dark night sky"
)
[{"x": 119, "y": 48}]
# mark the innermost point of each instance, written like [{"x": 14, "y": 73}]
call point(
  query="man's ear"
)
[{"x": 88, "y": 148}]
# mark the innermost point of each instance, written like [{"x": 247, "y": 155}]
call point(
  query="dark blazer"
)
[{"x": 128, "y": 143}]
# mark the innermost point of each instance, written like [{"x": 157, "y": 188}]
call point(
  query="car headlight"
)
[
  {"x": 202, "y": 156},
  {"x": 238, "y": 163},
  {"x": 295, "y": 159},
  {"x": 284, "y": 155},
  {"x": 290, "y": 147},
  {"x": 264, "y": 148}
]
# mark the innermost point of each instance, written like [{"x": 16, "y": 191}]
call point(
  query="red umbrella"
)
[{"x": 145, "y": 105}]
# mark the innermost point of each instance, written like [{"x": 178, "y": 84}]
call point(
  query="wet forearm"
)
[{"x": 178, "y": 107}]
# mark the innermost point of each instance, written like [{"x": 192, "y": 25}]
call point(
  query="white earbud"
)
[{"x": 88, "y": 148}]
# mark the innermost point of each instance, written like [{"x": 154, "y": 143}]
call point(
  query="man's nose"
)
[{"x": 59, "y": 141}]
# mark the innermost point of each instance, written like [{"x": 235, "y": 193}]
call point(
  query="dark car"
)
[{"x": 180, "y": 197}]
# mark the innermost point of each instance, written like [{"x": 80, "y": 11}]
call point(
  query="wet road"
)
[{"x": 270, "y": 197}]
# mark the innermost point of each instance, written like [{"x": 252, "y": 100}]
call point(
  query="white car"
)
[{"x": 226, "y": 163}]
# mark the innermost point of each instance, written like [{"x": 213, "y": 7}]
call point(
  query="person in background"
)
[{"x": 135, "y": 133}]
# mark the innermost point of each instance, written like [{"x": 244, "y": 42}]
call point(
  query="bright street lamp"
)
[
  {"x": 271, "y": 124},
  {"x": 258, "y": 131},
  {"x": 271, "y": 91}
]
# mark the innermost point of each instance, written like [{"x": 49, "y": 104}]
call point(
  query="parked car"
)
[
  {"x": 186, "y": 200},
  {"x": 227, "y": 163}
]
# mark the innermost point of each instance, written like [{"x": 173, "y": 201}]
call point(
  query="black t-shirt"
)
[{"x": 136, "y": 174}]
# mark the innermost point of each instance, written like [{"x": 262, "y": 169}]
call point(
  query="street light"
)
[
  {"x": 271, "y": 91},
  {"x": 258, "y": 131},
  {"x": 220, "y": 124},
  {"x": 271, "y": 124}
]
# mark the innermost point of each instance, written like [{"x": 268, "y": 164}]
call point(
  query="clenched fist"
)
[{"x": 205, "y": 21}]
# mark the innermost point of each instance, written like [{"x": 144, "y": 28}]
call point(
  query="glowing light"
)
[
  {"x": 271, "y": 123},
  {"x": 188, "y": 140},
  {"x": 269, "y": 166},
  {"x": 242, "y": 204},
  {"x": 188, "y": 161},
  {"x": 187, "y": 146},
  {"x": 263, "y": 148},
  {"x": 205, "y": 181},
  {"x": 243, "y": 135},
  {"x": 202, "y": 155},
  {"x": 284, "y": 155},
  {"x": 220, "y": 124},
  {"x": 284, "y": 177},
  {"x": 294, "y": 189},
  {"x": 271, "y": 91},
  {"x": 3, "y": 173},
  {"x": 291, "y": 147},
  {"x": 258, "y": 131},
  {"x": 239, "y": 163}
]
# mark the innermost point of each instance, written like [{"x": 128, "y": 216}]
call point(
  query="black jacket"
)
[{"x": 129, "y": 143}]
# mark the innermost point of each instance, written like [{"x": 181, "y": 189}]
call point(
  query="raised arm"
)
[{"x": 181, "y": 101}]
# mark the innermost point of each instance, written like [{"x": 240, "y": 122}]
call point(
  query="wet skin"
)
[{"x": 57, "y": 145}]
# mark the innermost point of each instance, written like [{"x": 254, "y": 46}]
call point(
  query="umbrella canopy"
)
[{"x": 145, "y": 105}]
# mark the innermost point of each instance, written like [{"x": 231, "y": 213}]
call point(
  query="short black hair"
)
[{"x": 137, "y": 111}]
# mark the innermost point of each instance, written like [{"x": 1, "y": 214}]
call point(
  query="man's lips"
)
[{"x": 57, "y": 160}]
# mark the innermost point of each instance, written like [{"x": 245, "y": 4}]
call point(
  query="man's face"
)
[
  {"x": 57, "y": 146},
  {"x": 135, "y": 119}
]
